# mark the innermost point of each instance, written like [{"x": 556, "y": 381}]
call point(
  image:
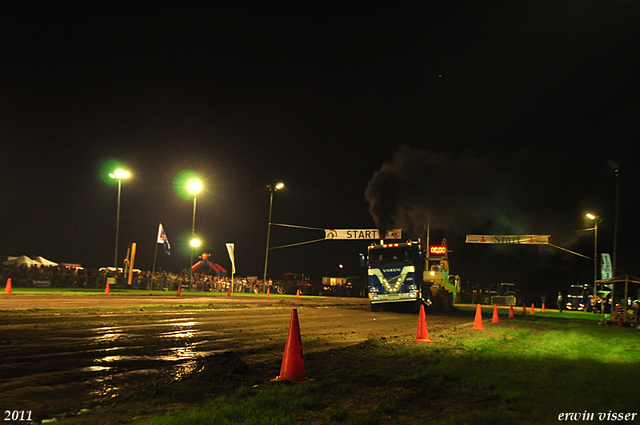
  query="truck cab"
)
[
  {"x": 578, "y": 297},
  {"x": 395, "y": 273}
]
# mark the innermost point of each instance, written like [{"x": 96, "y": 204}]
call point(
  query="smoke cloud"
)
[{"x": 495, "y": 193}]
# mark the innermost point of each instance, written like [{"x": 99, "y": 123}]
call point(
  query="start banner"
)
[
  {"x": 509, "y": 239},
  {"x": 359, "y": 234}
]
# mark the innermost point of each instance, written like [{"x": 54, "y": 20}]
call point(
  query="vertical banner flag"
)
[
  {"x": 606, "y": 270},
  {"x": 162, "y": 238},
  {"x": 231, "y": 248}
]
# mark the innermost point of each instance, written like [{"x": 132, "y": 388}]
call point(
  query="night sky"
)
[{"x": 479, "y": 117}]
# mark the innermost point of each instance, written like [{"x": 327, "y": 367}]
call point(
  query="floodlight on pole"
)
[
  {"x": 278, "y": 186},
  {"x": 194, "y": 186},
  {"x": 596, "y": 219},
  {"x": 119, "y": 175}
]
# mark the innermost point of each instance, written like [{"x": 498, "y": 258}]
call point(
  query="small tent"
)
[
  {"x": 22, "y": 260},
  {"x": 44, "y": 262}
]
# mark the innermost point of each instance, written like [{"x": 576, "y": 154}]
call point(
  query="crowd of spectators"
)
[{"x": 78, "y": 277}]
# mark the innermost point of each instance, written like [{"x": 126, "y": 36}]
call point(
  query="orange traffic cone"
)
[
  {"x": 477, "y": 323},
  {"x": 533, "y": 310},
  {"x": 292, "y": 363},
  {"x": 422, "y": 333},
  {"x": 544, "y": 310},
  {"x": 179, "y": 290},
  {"x": 512, "y": 315},
  {"x": 495, "y": 318},
  {"x": 524, "y": 309},
  {"x": 107, "y": 289},
  {"x": 229, "y": 292},
  {"x": 7, "y": 288},
  {"x": 298, "y": 293},
  {"x": 268, "y": 292}
]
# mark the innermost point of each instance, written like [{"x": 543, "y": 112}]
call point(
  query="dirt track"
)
[{"x": 103, "y": 354}]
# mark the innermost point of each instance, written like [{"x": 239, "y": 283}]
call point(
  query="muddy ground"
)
[{"x": 89, "y": 359}]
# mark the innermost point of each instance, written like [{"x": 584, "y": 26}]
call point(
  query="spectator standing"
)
[{"x": 559, "y": 302}]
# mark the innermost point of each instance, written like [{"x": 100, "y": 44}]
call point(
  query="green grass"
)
[
  {"x": 274, "y": 405},
  {"x": 487, "y": 311},
  {"x": 524, "y": 372}
]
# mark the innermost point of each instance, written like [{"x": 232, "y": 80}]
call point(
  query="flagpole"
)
[{"x": 155, "y": 255}]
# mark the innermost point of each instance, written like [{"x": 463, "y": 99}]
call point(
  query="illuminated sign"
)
[
  {"x": 356, "y": 234},
  {"x": 438, "y": 250},
  {"x": 509, "y": 239}
]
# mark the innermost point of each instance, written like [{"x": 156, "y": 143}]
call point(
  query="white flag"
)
[
  {"x": 162, "y": 238},
  {"x": 231, "y": 249}
]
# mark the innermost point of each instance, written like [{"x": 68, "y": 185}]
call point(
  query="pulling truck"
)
[
  {"x": 444, "y": 287},
  {"x": 401, "y": 274},
  {"x": 501, "y": 294},
  {"x": 293, "y": 282}
]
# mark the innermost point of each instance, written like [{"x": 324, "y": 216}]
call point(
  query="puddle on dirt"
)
[
  {"x": 108, "y": 382},
  {"x": 107, "y": 337},
  {"x": 173, "y": 354},
  {"x": 95, "y": 369},
  {"x": 181, "y": 370},
  {"x": 187, "y": 333}
]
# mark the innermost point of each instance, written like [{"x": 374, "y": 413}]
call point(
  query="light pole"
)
[
  {"x": 194, "y": 243},
  {"x": 118, "y": 174},
  {"x": 266, "y": 255},
  {"x": 596, "y": 219},
  {"x": 616, "y": 169},
  {"x": 194, "y": 186}
]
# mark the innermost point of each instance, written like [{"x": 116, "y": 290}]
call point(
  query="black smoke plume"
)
[{"x": 528, "y": 192}]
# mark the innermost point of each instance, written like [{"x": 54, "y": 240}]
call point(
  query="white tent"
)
[
  {"x": 44, "y": 262},
  {"x": 21, "y": 260},
  {"x": 24, "y": 260}
]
